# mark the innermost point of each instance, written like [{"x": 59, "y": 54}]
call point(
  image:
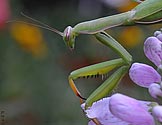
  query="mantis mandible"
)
[{"x": 147, "y": 12}]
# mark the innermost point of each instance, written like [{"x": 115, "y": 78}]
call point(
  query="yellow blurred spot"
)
[
  {"x": 126, "y": 7},
  {"x": 29, "y": 38},
  {"x": 130, "y": 36}
]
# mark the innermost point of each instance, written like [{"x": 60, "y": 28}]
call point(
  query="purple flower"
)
[
  {"x": 157, "y": 113},
  {"x": 119, "y": 110},
  {"x": 100, "y": 111},
  {"x": 153, "y": 49},
  {"x": 130, "y": 110},
  {"x": 144, "y": 75},
  {"x": 155, "y": 90}
]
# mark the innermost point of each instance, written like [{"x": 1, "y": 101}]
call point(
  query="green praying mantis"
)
[{"x": 147, "y": 12}]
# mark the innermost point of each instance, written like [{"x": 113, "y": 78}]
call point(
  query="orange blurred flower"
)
[
  {"x": 121, "y": 5},
  {"x": 29, "y": 38},
  {"x": 126, "y": 7},
  {"x": 4, "y": 12},
  {"x": 130, "y": 36}
]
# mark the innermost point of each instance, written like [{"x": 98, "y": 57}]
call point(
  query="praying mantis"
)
[{"x": 147, "y": 12}]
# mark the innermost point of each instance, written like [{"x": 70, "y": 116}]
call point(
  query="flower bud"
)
[
  {"x": 143, "y": 75},
  {"x": 160, "y": 37},
  {"x": 155, "y": 90},
  {"x": 130, "y": 110},
  {"x": 157, "y": 113},
  {"x": 153, "y": 50},
  {"x": 156, "y": 33}
]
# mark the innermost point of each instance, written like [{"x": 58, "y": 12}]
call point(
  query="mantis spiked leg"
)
[
  {"x": 107, "y": 87},
  {"x": 107, "y": 40},
  {"x": 103, "y": 68},
  {"x": 93, "y": 70}
]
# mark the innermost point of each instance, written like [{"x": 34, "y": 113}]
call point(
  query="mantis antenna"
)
[
  {"x": 40, "y": 24},
  {"x": 45, "y": 26}
]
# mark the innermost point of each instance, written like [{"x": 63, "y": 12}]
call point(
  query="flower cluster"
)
[
  {"x": 120, "y": 109},
  {"x": 146, "y": 76}
]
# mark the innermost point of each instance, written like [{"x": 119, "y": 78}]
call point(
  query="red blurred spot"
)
[{"x": 4, "y": 12}]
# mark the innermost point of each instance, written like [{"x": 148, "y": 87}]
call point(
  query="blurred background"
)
[{"x": 35, "y": 63}]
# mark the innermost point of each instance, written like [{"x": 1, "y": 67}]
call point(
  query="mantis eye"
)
[{"x": 69, "y": 37}]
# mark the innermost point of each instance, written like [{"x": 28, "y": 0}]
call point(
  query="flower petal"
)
[
  {"x": 143, "y": 75},
  {"x": 100, "y": 110},
  {"x": 130, "y": 110},
  {"x": 153, "y": 50}
]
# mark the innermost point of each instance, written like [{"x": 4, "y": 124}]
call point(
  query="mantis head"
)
[{"x": 69, "y": 37}]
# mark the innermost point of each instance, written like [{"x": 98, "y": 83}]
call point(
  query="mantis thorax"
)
[{"x": 69, "y": 37}]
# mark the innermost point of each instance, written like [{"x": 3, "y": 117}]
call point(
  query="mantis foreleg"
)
[
  {"x": 108, "y": 86},
  {"x": 103, "y": 68},
  {"x": 107, "y": 40},
  {"x": 93, "y": 70}
]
